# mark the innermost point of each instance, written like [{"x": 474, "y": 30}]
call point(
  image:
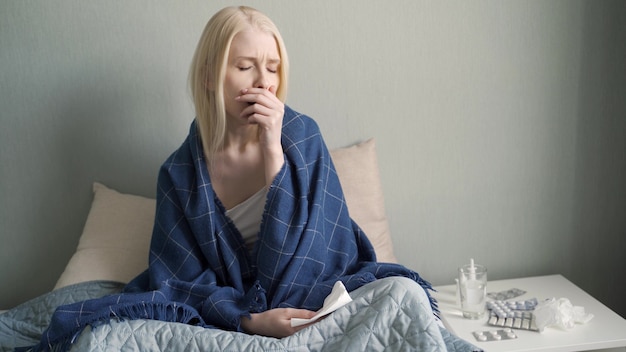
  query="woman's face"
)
[{"x": 253, "y": 62}]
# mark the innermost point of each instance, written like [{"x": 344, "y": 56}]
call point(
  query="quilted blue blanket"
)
[
  {"x": 200, "y": 272},
  {"x": 385, "y": 315}
]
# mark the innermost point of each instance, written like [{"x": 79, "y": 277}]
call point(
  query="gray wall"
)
[{"x": 500, "y": 125}]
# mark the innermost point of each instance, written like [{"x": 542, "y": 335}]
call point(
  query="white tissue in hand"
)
[
  {"x": 337, "y": 298},
  {"x": 559, "y": 312}
]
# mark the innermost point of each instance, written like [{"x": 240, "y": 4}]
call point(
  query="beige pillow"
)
[
  {"x": 357, "y": 167},
  {"x": 115, "y": 241}
]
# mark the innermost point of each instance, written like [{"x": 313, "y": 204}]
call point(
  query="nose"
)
[{"x": 262, "y": 81}]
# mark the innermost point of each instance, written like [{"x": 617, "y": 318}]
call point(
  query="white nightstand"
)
[{"x": 607, "y": 330}]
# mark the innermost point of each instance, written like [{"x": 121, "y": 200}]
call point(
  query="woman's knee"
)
[{"x": 396, "y": 286}]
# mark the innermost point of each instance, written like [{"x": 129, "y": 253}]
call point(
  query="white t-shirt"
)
[{"x": 247, "y": 217}]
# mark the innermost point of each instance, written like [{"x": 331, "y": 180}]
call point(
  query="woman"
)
[
  {"x": 251, "y": 228},
  {"x": 239, "y": 82}
]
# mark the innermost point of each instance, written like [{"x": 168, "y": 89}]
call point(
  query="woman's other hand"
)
[{"x": 275, "y": 322}]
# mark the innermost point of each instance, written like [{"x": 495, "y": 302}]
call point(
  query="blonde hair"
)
[{"x": 208, "y": 68}]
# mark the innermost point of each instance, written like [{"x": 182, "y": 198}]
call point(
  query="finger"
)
[
  {"x": 254, "y": 90},
  {"x": 300, "y": 313},
  {"x": 254, "y": 93},
  {"x": 268, "y": 100},
  {"x": 262, "y": 113},
  {"x": 258, "y": 113}
]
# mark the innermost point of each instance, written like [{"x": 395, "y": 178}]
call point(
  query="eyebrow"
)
[{"x": 250, "y": 58}]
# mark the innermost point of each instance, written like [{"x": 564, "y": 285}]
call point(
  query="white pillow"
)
[{"x": 115, "y": 241}]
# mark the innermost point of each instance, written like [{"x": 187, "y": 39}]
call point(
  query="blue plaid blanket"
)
[{"x": 200, "y": 271}]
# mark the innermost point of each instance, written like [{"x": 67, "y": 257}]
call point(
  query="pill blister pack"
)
[
  {"x": 521, "y": 320},
  {"x": 509, "y": 309},
  {"x": 507, "y": 294},
  {"x": 513, "y": 314},
  {"x": 494, "y": 335}
]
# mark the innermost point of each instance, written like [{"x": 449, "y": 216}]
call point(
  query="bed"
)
[{"x": 113, "y": 249}]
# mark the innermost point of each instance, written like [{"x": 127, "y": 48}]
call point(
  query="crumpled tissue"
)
[{"x": 560, "y": 313}]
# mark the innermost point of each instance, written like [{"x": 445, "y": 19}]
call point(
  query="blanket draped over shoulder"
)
[{"x": 200, "y": 271}]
